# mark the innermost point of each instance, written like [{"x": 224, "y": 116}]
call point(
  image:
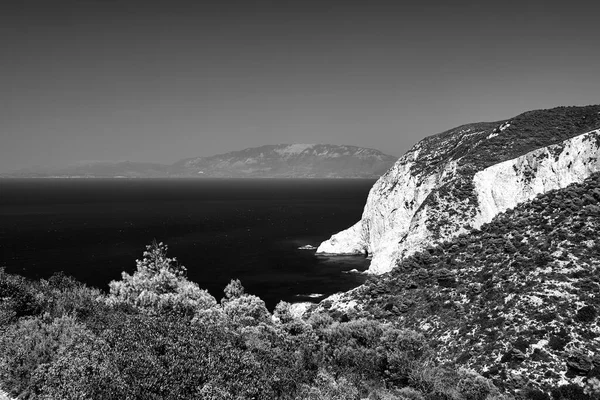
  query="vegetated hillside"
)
[
  {"x": 442, "y": 186},
  {"x": 480, "y": 145},
  {"x": 290, "y": 160},
  {"x": 517, "y": 301},
  {"x": 157, "y": 335}
]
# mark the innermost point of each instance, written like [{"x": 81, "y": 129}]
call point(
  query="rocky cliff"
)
[
  {"x": 455, "y": 181},
  {"x": 517, "y": 300}
]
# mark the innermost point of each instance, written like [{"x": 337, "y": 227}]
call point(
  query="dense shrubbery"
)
[
  {"x": 158, "y": 336},
  {"x": 520, "y": 293},
  {"x": 470, "y": 147}
]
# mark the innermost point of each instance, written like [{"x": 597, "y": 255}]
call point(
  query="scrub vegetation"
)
[{"x": 157, "y": 335}]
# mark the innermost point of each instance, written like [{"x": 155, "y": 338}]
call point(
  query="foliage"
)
[
  {"x": 473, "y": 386},
  {"x": 517, "y": 294},
  {"x": 17, "y": 298},
  {"x": 159, "y": 285},
  {"x": 31, "y": 344},
  {"x": 233, "y": 290},
  {"x": 73, "y": 342},
  {"x": 246, "y": 310},
  {"x": 327, "y": 387}
]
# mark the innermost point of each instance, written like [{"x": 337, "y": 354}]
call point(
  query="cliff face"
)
[
  {"x": 449, "y": 183},
  {"x": 516, "y": 300}
]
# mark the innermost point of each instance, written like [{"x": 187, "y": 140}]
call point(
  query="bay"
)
[{"x": 219, "y": 229}]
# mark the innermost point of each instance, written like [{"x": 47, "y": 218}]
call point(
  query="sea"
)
[{"x": 219, "y": 229}]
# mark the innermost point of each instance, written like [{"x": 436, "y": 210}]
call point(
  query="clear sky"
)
[{"x": 157, "y": 82}]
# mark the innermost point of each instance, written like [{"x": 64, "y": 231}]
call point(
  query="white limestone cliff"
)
[
  {"x": 395, "y": 219},
  {"x": 509, "y": 183}
]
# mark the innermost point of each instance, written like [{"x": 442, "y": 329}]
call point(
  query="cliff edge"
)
[{"x": 450, "y": 183}]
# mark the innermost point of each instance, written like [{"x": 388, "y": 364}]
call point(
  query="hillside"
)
[
  {"x": 460, "y": 179},
  {"x": 158, "y": 335},
  {"x": 516, "y": 300},
  {"x": 290, "y": 161},
  {"x": 272, "y": 161}
]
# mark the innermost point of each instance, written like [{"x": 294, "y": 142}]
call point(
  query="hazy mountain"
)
[
  {"x": 291, "y": 161},
  {"x": 272, "y": 161}
]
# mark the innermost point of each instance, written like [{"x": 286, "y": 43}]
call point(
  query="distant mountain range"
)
[{"x": 270, "y": 161}]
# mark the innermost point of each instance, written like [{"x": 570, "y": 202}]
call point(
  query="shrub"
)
[
  {"x": 17, "y": 297},
  {"x": 233, "y": 290},
  {"x": 30, "y": 344},
  {"x": 408, "y": 393},
  {"x": 404, "y": 350},
  {"x": 282, "y": 312},
  {"x": 326, "y": 387},
  {"x": 474, "y": 386},
  {"x": 85, "y": 369},
  {"x": 246, "y": 310},
  {"x": 64, "y": 295},
  {"x": 435, "y": 381}
]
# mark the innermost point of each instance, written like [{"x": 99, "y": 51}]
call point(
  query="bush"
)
[
  {"x": 474, "y": 386},
  {"x": 233, "y": 290},
  {"x": 326, "y": 387},
  {"x": 247, "y": 310},
  {"x": 64, "y": 295},
  {"x": 85, "y": 369},
  {"x": 282, "y": 312},
  {"x": 430, "y": 379},
  {"x": 18, "y": 297},
  {"x": 29, "y": 345}
]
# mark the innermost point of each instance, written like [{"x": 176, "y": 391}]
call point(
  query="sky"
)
[{"x": 98, "y": 80}]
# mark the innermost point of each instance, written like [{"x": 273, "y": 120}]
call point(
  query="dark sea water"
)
[{"x": 219, "y": 229}]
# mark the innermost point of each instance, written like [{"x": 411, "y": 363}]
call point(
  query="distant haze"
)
[{"x": 160, "y": 81}]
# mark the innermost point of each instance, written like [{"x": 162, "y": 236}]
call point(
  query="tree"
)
[
  {"x": 233, "y": 290},
  {"x": 160, "y": 285}
]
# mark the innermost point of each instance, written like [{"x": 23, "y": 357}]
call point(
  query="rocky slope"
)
[
  {"x": 455, "y": 181},
  {"x": 517, "y": 300},
  {"x": 272, "y": 161}
]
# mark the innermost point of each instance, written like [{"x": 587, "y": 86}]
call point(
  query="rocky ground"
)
[{"x": 517, "y": 300}]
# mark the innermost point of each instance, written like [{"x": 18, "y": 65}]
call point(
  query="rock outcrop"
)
[
  {"x": 455, "y": 181},
  {"x": 516, "y": 300}
]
